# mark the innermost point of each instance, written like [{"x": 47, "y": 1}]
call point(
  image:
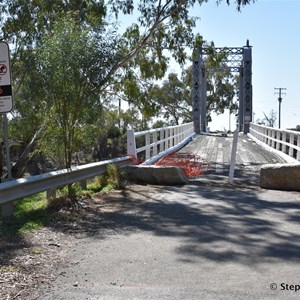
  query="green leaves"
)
[
  {"x": 73, "y": 64},
  {"x": 173, "y": 99},
  {"x": 162, "y": 28},
  {"x": 30, "y": 20}
]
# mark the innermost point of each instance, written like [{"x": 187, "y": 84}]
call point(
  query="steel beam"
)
[
  {"x": 238, "y": 59},
  {"x": 196, "y": 90},
  {"x": 247, "y": 88}
]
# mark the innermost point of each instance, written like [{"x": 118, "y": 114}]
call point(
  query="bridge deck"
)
[{"x": 216, "y": 149}]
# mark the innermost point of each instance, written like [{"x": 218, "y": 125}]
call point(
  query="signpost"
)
[
  {"x": 6, "y": 105},
  {"x": 5, "y": 79}
]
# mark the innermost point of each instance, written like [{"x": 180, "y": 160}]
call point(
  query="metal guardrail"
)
[
  {"x": 166, "y": 139},
  {"x": 24, "y": 187},
  {"x": 158, "y": 141},
  {"x": 285, "y": 141}
]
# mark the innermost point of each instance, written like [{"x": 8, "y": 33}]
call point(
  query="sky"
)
[{"x": 273, "y": 29}]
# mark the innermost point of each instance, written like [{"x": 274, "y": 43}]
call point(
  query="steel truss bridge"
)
[{"x": 236, "y": 59}]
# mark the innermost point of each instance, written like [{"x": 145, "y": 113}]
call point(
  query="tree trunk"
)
[
  {"x": 19, "y": 168},
  {"x": 1, "y": 161}
]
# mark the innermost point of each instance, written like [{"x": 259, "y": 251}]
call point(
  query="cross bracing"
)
[{"x": 235, "y": 59}]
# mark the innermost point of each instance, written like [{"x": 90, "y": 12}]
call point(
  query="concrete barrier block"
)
[
  {"x": 280, "y": 177},
  {"x": 162, "y": 175}
]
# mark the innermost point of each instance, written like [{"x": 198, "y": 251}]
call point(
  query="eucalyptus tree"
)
[
  {"x": 73, "y": 63},
  {"x": 222, "y": 89},
  {"x": 268, "y": 120},
  {"x": 24, "y": 25},
  {"x": 25, "y": 22},
  {"x": 160, "y": 26},
  {"x": 173, "y": 97}
]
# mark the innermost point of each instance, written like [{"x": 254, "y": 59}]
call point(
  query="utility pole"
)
[{"x": 279, "y": 100}]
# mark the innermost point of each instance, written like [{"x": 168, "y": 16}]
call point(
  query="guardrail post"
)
[
  {"x": 7, "y": 209},
  {"x": 265, "y": 132},
  {"x": 273, "y": 138},
  {"x": 131, "y": 146},
  {"x": 291, "y": 149},
  {"x": 269, "y": 132},
  {"x": 261, "y": 134},
  {"x": 161, "y": 139},
  {"x": 83, "y": 184},
  {"x": 184, "y": 132},
  {"x": 174, "y": 136},
  {"x": 171, "y": 137},
  {"x": 278, "y": 140},
  {"x": 178, "y": 135},
  {"x": 155, "y": 143},
  {"x": 284, "y": 142},
  {"x": 167, "y": 135},
  {"x": 147, "y": 141},
  {"x": 51, "y": 194},
  {"x": 175, "y": 132},
  {"x": 233, "y": 156}
]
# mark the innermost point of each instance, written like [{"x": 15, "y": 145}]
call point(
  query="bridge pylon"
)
[{"x": 236, "y": 59}]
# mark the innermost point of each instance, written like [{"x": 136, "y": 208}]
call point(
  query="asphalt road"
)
[{"x": 204, "y": 240}]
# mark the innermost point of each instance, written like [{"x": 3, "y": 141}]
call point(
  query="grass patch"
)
[
  {"x": 113, "y": 178},
  {"x": 29, "y": 214},
  {"x": 96, "y": 185},
  {"x": 35, "y": 212},
  {"x": 9, "y": 269},
  {"x": 35, "y": 251}
]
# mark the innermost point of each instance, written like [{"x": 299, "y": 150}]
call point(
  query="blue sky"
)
[{"x": 273, "y": 29}]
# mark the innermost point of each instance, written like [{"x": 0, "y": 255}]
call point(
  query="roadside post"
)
[
  {"x": 6, "y": 105},
  {"x": 233, "y": 156},
  {"x": 5, "y": 79}
]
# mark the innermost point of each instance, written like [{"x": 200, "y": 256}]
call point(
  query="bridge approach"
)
[{"x": 216, "y": 150}]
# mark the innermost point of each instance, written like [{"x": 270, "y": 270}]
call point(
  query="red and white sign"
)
[
  {"x": 5, "y": 79},
  {"x": 3, "y": 69}
]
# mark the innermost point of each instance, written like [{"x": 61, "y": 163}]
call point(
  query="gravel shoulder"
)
[{"x": 30, "y": 261}]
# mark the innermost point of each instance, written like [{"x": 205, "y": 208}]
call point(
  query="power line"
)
[{"x": 279, "y": 100}]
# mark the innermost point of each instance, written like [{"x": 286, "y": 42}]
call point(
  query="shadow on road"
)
[{"x": 218, "y": 223}]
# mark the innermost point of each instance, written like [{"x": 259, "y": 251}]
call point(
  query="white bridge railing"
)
[
  {"x": 156, "y": 143},
  {"x": 286, "y": 141}
]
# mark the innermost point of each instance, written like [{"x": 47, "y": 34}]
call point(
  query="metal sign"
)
[{"x": 5, "y": 79}]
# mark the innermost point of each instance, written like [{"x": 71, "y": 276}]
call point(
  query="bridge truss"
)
[{"x": 236, "y": 59}]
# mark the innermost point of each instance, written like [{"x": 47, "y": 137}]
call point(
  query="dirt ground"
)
[{"x": 31, "y": 260}]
